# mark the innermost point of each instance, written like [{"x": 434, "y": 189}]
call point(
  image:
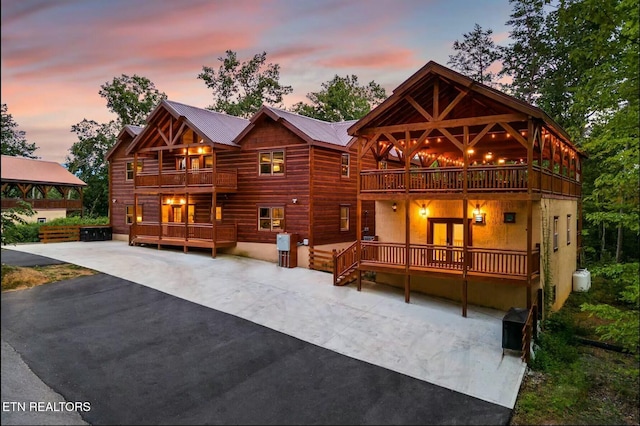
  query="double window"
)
[
  {"x": 271, "y": 163},
  {"x": 130, "y": 171},
  {"x": 271, "y": 218}
]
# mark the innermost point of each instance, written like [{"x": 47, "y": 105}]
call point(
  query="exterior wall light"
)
[
  {"x": 479, "y": 218},
  {"x": 423, "y": 211},
  {"x": 394, "y": 207}
]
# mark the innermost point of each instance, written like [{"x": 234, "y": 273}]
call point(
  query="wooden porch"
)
[
  {"x": 479, "y": 180},
  {"x": 220, "y": 180},
  {"x": 201, "y": 235}
]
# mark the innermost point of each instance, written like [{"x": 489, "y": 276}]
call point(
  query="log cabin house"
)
[
  {"x": 477, "y": 195},
  {"x": 51, "y": 190},
  {"x": 210, "y": 180}
]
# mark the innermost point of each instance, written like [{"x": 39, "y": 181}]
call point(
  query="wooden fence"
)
[
  {"x": 320, "y": 260},
  {"x": 58, "y": 234}
]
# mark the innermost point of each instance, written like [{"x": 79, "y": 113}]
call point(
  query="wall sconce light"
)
[
  {"x": 423, "y": 211},
  {"x": 182, "y": 201},
  {"x": 294, "y": 201},
  {"x": 479, "y": 218},
  {"x": 394, "y": 207}
]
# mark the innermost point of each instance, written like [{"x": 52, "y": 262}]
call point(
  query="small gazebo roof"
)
[{"x": 27, "y": 170}]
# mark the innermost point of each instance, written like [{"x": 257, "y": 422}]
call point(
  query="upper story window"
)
[
  {"x": 271, "y": 163},
  {"x": 568, "y": 229},
  {"x": 130, "y": 172},
  {"x": 555, "y": 233},
  {"x": 344, "y": 171},
  {"x": 382, "y": 165},
  {"x": 271, "y": 218}
]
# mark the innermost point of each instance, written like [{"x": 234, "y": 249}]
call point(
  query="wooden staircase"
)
[{"x": 345, "y": 265}]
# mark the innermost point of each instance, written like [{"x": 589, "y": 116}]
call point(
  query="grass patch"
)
[
  {"x": 571, "y": 383},
  {"x": 20, "y": 278}
]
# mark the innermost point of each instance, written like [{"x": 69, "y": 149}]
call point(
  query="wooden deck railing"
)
[
  {"x": 485, "y": 261},
  {"x": 320, "y": 260},
  {"x": 199, "y": 231},
  {"x": 225, "y": 179},
  {"x": 527, "y": 333},
  {"x": 43, "y": 203},
  {"x": 480, "y": 179}
]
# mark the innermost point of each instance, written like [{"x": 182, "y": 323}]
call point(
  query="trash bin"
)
[
  {"x": 512, "y": 325},
  {"x": 95, "y": 233}
]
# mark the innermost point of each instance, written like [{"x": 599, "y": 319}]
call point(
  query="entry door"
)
[{"x": 447, "y": 233}]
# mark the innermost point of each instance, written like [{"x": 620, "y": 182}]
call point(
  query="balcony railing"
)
[
  {"x": 39, "y": 203},
  {"x": 480, "y": 179},
  {"x": 481, "y": 261},
  {"x": 224, "y": 179},
  {"x": 195, "y": 231}
]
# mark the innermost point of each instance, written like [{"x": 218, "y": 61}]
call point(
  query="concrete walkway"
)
[{"x": 427, "y": 339}]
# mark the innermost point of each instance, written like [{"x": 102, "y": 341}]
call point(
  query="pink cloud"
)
[{"x": 388, "y": 58}]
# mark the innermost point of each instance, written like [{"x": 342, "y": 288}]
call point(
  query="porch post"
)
[
  {"x": 186, "y": 221},
  {"x": 159, "y": 219},
  {"x": 465, "y": 223},
  {"x": 214, "y": 202},
  {"x": 529, "y": 211},
  {"x": 359, "y": 154},
  {"x": 407, "y": 214}
]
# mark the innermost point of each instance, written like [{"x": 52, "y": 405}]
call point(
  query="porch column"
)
[
  {"x": 359, "y": 154},
  {"x": 186, "y": 222},
  {"x": 465, "y": 223},
  {"x": 214, "y": 221},
  {"x": 529, "y": 211},
  {"x": 159, "y": 218},
  {"x": 407, "y": 214}
]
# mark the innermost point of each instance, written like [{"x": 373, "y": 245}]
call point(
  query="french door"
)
[{"x": 447, "y": 237}]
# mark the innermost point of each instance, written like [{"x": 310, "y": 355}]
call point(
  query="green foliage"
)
[
  {"x": 622, "y": 321},
  {"x": 240, "y": 89},
  {"x": 131, "y": 98},
  {"x": 476, "y": 53},
  {"x": 12, "y": 219},
  {"x": 523, "y": 59},
  {"x": 14, "y": 141},
  {"x": 556, "y": 343},
  {"x": 29, "y": 232},
  {"x": 341, "y": 99}
]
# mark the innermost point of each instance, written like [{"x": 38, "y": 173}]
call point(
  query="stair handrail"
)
[{"x": 344, "y": 261}]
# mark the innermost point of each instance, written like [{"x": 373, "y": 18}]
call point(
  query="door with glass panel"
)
[{"x": 446, "y": 235}]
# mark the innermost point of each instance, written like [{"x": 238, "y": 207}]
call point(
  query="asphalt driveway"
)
[{"x": 141, "y": 356}]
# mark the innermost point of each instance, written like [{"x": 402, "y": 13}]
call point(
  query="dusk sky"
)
[{"x": 57, "y": 54}]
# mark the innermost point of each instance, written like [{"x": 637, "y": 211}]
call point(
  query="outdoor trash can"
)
[
  {"x": 95, "y": 233},
  {"x": 512, "y": 325}
]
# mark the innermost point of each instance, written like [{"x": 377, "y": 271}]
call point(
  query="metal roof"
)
[
  {"x": 218, "y": 127},
  {"x": 318, "y": 130},
  {"x": 19, "y": 169}
]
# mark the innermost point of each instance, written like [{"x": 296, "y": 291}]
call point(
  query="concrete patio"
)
[{"x": 427, "y": 339}]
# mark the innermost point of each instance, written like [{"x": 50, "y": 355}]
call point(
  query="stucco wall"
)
[
  {"x": 48, "y": 214},
  {"x": 563, "y": 262},
  {"x": 495, "y": 233}
]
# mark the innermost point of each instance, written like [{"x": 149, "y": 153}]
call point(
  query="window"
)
[
  {"x": 271, "y": 218},
  {"x": 130, "y": 169},
  {"x": 344, "y": 218},
  {"x": 208, "y": 161},
  {"x": 555, "y": 233},
  {"x": 271, "y": 163},
  {"x": 42, "y": 220},
  {"x": 218, "y": 213},
  {"x": 130, "y": 213},
  {"x": 345, "y": 165},
  {"x": 382, "y": 165},
  {"x": 181, "y": 163},
  {"x": 568, "y": 229}
]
